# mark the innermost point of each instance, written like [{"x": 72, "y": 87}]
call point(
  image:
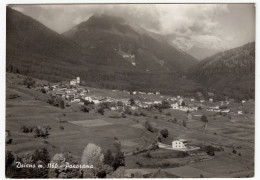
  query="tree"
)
[
  {"x": 205, "y": 120},
  {"x": 184, "y": 123},
  {"x": 92, "y": 155},
  {"x": 61, "y": 160},
  {"x": 165, "y": 104},
  {"x": 132, "y": 101},
  {"x": 164, "y": 133},
  {"x": 108, "y": 158},
  {"x": 84, "y": 108},
  {"x": 115, "y": 157},
  {"x": 210, "y": 150},
  {"x": 9, "y": 159},
  {"x": 61, "y": 104},
  {"x": 183, "y": 103},
  {"x": 42, "y": 155},
  {"x": 119, "y": 159},
  {"x": 101, "y": 111}
]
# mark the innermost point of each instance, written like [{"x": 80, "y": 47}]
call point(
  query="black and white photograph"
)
[{"x": 124, "y": 90}]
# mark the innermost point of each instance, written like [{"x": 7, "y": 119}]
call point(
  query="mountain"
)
[
  {"x": 33, "y": 49},
  {"x": 151, "y": 52},
  {"x": 201, "y": 53},
  {"x": 229, "y": 73},
  {"x": 103, "y": 52}
]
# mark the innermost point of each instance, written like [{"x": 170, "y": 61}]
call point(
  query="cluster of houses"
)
[
  {"x": 74, "y": 93},
  {"x": 218, "y": 109},
  {"x": 143, "y": 93}
]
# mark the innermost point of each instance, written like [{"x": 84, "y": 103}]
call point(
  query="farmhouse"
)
[{"x": 179, "y": 144}]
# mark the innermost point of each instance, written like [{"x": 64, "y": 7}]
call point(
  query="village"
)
[{"x": 73, "y": 92}]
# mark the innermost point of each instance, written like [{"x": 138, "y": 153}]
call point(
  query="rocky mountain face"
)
[{"x": 114, "y": 35}]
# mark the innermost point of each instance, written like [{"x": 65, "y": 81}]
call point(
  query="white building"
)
[
  {"x": 78, "y": 80},
  {"x": 210, "y": 100},
  {"x": 179, "y": 144},
  {"x": 175, "y": 106},
  {"x": 157, "y": 93},
  {"x": 243, "y": 101},
  {"x": 73, "y": 82},
  {"x": 239, "y": 112}
]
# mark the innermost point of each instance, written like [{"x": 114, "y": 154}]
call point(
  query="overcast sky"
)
[{"x": 215, "y": 26}]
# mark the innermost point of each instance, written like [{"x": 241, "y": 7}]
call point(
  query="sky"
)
[{"x": 213, "y": 26}]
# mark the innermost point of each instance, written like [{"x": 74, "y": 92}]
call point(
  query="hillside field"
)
[{"x": 227, "y": 132}]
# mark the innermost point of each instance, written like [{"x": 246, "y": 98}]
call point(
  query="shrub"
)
[
  {"x": 104, "y": 105},
  {"x": 101, "y": 111},
  {"x": 204, "y": 119},
  {"x": 183, "y": 103},
  {"x": 127, "y": 111},
  {"x": 164, "y": 133},
  {"x": 86, "y": 102},
  {"x": 123, "y": 115},
  {"x": 210, "y": 150},
  {"x": 147, "y": 155},
  {"x": 61, "y": 128},
  {"x": 61, "y": 103},
  {"x": 155, "y": 117},
  {"x": 136, "y": 114},
  {"x": 184, "y": 123},
  {"x": 13, "y": 96},
  {"x": 84, "y": 108},
  {"x": 159, "y": 139},
  {"x": 148, "y": 126},
  {"x": 43, "y": 91},
  {"x": 139, "y": 164},
  {"x": 29, "y": 82},
  {"x": 165, "y": 104},
  {"x": 27, "y": 129},
  {"x": 168, "y": 114},
  {"x": 142, "y": 114},
  {"x": 41, "y": 132}
]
